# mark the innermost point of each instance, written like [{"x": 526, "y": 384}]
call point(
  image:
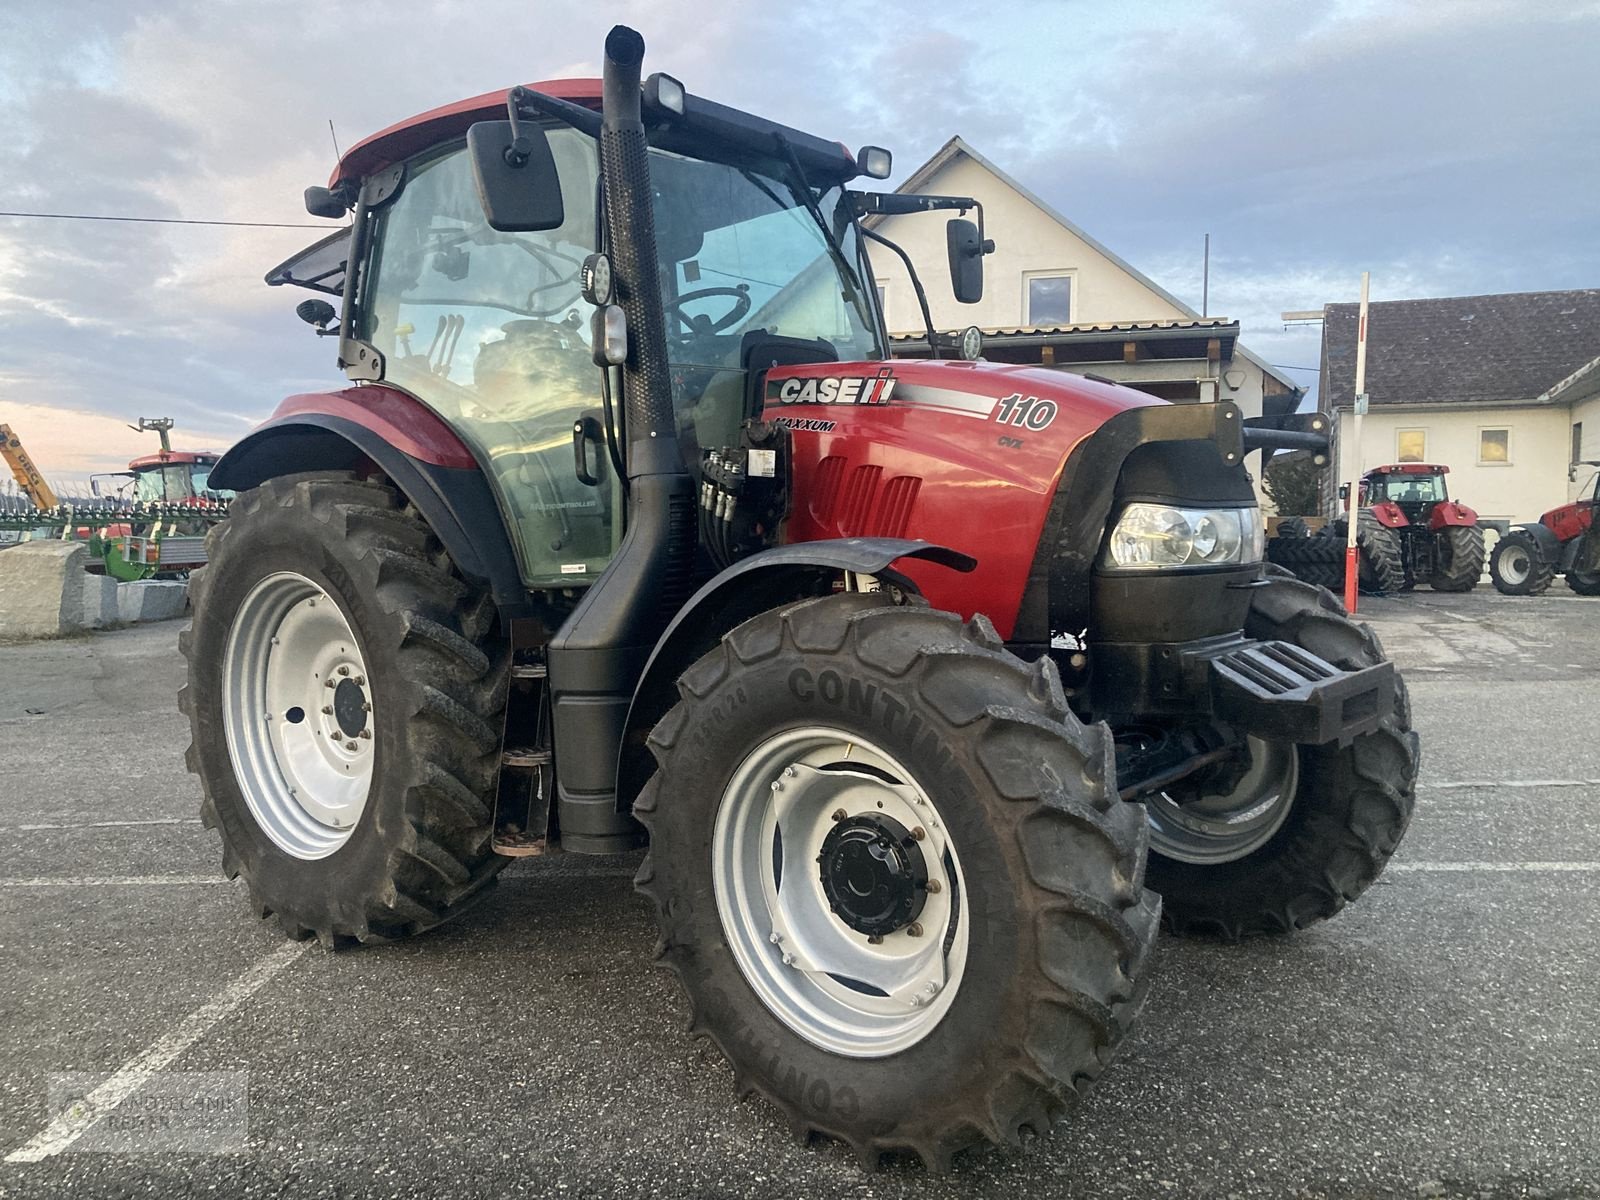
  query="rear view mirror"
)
[
  {"x": 516, "y": 176},
  {"x": 966, "y": 249}
]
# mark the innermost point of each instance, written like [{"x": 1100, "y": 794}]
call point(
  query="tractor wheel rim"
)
[
  {"x": 1514, "y": 564},
  {"x": 1219, "y": 829},
  {"x": 777, "y": 851},
  {"x": 298, "y": 715}
]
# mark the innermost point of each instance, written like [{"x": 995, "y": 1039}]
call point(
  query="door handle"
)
[{"x": 585, "y": 429}]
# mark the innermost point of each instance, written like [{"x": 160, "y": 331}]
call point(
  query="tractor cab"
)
[
  {"x": 172, "y": 477},
  {"x": 1414, "y": 488}
]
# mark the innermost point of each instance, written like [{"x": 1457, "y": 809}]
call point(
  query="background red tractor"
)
[
  {"x": 1565, "y": 541},
  {"x": 1438, "y": 539},
  {"x": 923, "y": 679}
]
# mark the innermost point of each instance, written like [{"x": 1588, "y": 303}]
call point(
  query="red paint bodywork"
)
[
  {"x": 1388, "y": 513},
  {"x": 403, "y": 422},
  {"x": 1570, "y": 520},
  {"x": 1450, "y": 512},
  {"x": 417, "y": 133},
  {"x": 911, "y": 468}
]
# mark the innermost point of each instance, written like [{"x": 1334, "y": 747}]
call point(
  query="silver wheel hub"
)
[
  {"x": 1514, "y": 564},
  {"x": 1214, "y": 829},
  {"x": 840, "y": 892},
  {"x": 297, "y": 713}
]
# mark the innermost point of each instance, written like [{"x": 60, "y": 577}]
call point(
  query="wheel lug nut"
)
[
  {"x": 934, "y": 886},
  {"x": 914, "y": 929},
  {"x": 350, "y": 746},
  {"x": 361, "y": 681},
  {"x": 777, "y": 786},
  {"x": 775, "y": 938},
  {"x": 365, "y": 734},
  {"x": 344, "y": 670},
  {"x": 788, "y": 960},
  {"x": 839, "y": 814},
  {"x": 919, "y": 833},
  {"x": 788, "y": 772},
  {"x": 365, "y": 707},
  {"x": 330, "y": 684},
  {"x": 327, "y": 710}
]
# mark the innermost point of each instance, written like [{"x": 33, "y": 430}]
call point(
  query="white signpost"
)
[{"x": 1352, "y": 565}]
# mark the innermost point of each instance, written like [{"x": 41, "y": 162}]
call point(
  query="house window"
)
[
  {"x": 883, "y": 300},
  {"x": 1411, "y": 445},
  {"x": 1494, "y": 447},
  {"x": 1577, "y": 442},
  {"x": 1048, "y": 297}
]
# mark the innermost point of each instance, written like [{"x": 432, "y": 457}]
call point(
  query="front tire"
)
[
  {"x": 1279, "y": 861},
  {"x": 345, "y": 695},
  {"x": 1518, "y": 567},
  {"x": 848, "y": 718}
]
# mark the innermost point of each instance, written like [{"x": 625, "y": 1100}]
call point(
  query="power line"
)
[
  {"x": 1287, "y": 367},
  {"x": 43, "y": 216}
]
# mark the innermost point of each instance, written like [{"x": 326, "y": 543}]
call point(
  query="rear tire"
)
[
  {"x": 1346, "y": 810},
  {"x": 1380, "y": 559},
  {"x": 1048, "y": 871},
  {"x": 1584, "y": 584},
  {"x": 409, "y": 849},
  {"x": 1458, "y": 556},
  {"x": 1518, "y": 567}
]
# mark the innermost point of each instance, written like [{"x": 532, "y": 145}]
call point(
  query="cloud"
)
[{"x": 1448, "y": 148}]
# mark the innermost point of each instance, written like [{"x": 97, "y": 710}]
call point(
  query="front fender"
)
[
  {"x": 371, "y": 427},
  {"x": 751, "y": 586}
]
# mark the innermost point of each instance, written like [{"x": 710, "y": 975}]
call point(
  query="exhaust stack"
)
[
  {"x": 625, "y": 169},
  {"x": 596, "y": 659}
]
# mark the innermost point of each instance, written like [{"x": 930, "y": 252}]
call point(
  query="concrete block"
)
[
  {"x": 151, "y": 600},
  {"x": 99, "y": 601},
  {"x": 42, "y": 592}
]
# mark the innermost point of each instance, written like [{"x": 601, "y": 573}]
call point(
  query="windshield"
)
[
  {"x": 1414, "y": 489},
  {"x": 162, "y": 484},
  {"x": 742, "y": 260}
]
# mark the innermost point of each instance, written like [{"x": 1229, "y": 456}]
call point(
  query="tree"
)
[{"x": 1291, "y": 482}]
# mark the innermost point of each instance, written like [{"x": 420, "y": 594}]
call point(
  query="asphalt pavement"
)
[{"x": 1439, "y": 1038}]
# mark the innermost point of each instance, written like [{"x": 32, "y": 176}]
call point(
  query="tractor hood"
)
[{"x": 968, "y": 454}]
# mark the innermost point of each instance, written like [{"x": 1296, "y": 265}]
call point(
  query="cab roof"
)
[
  {"x": 173, "y": 458},
  {"x": 417, "y": 133},
  {"x": 1410, "y": 469}
]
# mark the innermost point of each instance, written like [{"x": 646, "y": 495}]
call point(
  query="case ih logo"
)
[{"x": 848, "y": 389}]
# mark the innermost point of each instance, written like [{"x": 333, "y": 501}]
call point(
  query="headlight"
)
[{"x": 1150, "y": 536}]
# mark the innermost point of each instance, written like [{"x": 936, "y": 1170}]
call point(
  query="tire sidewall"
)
[
  {"x": 748, "y": 707},
  {"x": 272, "y": 539}
]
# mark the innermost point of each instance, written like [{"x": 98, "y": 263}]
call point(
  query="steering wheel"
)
[{"x": 699, "y": 322}]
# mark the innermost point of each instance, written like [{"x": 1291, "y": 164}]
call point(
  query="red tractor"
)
[
  {"x": 1438, "y": 539},
  {"x": 1565, "y": 541},
  {"x": 630, "y": 530}
]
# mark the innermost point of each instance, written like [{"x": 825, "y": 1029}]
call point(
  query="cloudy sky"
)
[{"x": 1449, "y": 146}]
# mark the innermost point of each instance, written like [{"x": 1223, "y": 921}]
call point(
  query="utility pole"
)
[
  {"x": 1352, "y": 567},
  {"x": 1205, "y": 280}
]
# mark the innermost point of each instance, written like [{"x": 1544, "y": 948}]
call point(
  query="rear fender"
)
[
  {"x": 377, "y": 429},
  {"x": 752, "y": 586},
  {"x": 1549, "y": 545},
  {"x": 1387, "y": 513},
  {"x": 1448, "y": 513}
]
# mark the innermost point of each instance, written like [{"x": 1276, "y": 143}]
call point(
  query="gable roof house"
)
[
  {"x": 1502, "y": 389},
  {"x": 1056, "y": 297}
]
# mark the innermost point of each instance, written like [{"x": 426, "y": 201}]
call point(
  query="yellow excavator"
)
[{"x": 33, "y": 484}]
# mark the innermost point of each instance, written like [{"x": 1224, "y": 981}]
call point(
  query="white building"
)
[
  {"x": 1504, "y": 390},
  {"x": 1056, "y": 297}
]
